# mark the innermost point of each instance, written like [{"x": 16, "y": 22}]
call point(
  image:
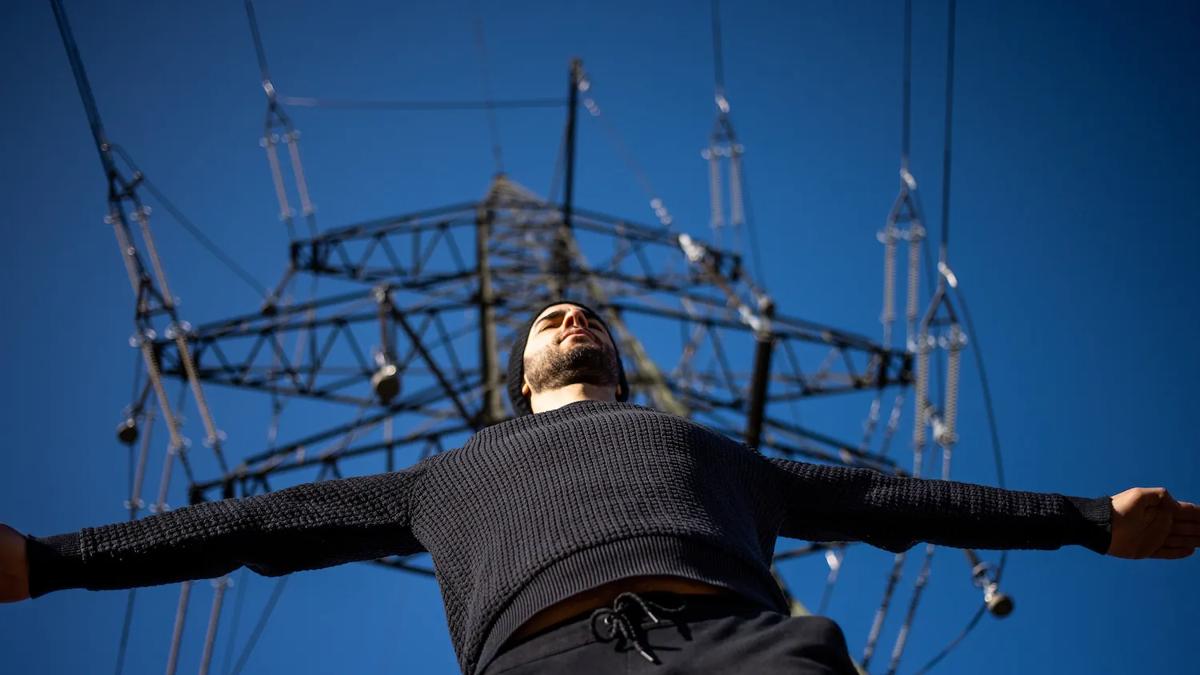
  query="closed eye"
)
[{"x": 554, "y": 318}]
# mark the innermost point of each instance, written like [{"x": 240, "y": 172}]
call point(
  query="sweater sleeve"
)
[
  {"x": 831, "y": 503},
  {"x": 304, "y": 527}
]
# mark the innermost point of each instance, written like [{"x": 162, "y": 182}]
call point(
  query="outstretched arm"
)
[
  {"x": 830, "y": 503},
  {"x": 304, "y": 527}
]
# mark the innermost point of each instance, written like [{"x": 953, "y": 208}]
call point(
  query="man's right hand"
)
[{"x": 14, "y": 566}]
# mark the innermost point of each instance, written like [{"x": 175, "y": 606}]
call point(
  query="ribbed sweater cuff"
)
[
  {"x": 55, "y": 563},
  {"x": 1096, "y": 534}
]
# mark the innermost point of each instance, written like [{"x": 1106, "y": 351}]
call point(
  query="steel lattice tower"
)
[
  {"x": 405, "y": 341},
  {"x": 440, "y": 292}
]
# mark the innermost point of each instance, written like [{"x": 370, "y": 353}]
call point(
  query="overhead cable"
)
[
  {"x": 614, "y": 136},
  {"x": 191, "y": 227},
  {"x": 258, "y": 49},
  {"x": 493, "y": 126},
  {"x": 947, "y": 146},
  {"x": 723, "y": 142},
  {"x": 906, "y": 114},
  {"x": 383, "y": 104},
  {"x": 972, "y": 336},
  {"x": 259, "y": 627},
  {"x": 85, "y": 93}
]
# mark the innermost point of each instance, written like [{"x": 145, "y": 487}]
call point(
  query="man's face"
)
[{"x": 567, "y": 345}]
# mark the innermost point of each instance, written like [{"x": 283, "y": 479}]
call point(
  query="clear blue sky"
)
[{"x": 1075, "y": 234}]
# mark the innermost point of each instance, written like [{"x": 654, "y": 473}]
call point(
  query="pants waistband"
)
[
  {"x": 628, "y": 616},
  {"x": 691, "y": 607}
]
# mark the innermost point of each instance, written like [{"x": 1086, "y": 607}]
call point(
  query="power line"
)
[
  {"x": 488, "y": 105},
  {"x": 237, "y": 615},
  {"x": 718, "y": 60},
  {"x": 739, "y": 198},
  {"x": 994, "y": 431},
  {"x": 906, "y": 116},
  {"x": 384, "y": 104},
  {"x": 258, "y": 46},
  {"x": 946, "y": 148},
  {"x": 993, "y": 427},
  {"x": 85, "y": 93},
  {"x": 261, "y": 625},
  {"x": 123, "y": 643},
  {"x": 493, "y": 126},
  {"x": 191, "y": 227},
  {"x": 622, "y": 148},
  {"x": 953, "y": 643},
  {"x": 759, "y": 272}
]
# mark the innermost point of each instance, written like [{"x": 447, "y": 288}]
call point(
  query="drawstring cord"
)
[{"x": 616, "y": 621}]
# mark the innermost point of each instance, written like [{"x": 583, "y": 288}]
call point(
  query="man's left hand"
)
[{"x": 1150, "y": 523}]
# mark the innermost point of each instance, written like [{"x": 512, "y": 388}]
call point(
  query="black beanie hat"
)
[{"x": 516, "y": 360}]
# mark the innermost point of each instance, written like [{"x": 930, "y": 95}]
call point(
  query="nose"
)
[{"x": 575, "y": 317}]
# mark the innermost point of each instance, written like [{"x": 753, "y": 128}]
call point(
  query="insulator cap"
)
[
  {"x": 127, "y": 431},
  {"x": 999, "y": 604},
  {"x": 386, "y": 383}
]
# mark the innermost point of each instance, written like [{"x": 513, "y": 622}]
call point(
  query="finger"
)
[
  {"x": 1181, "y": 542},
  {"x": 1173, "y": 553},
  {"x": 1168, "y": 501},
  {"x": 1187, "y": 511},
  {"x": 1185, "y": 528},
  {"x": 8, "y": 588}
]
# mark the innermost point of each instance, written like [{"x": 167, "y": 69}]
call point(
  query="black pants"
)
[{"x": 669, "y": 634}]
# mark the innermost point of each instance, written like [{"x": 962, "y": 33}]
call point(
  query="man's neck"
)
[{"x": 552, "y": 399}]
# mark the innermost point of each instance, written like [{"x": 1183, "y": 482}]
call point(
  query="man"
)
[{"x": 591, "y": 535}]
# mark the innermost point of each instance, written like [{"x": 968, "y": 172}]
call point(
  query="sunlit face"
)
[{"x": 567, "y": 345}]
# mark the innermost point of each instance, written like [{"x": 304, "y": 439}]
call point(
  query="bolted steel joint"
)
[{"x": 138, "y": 339}]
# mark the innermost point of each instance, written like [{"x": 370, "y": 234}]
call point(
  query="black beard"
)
[{"x": 583, "y": 363}]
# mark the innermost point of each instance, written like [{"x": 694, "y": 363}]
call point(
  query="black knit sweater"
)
[{"x": 533, "y": 510}]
